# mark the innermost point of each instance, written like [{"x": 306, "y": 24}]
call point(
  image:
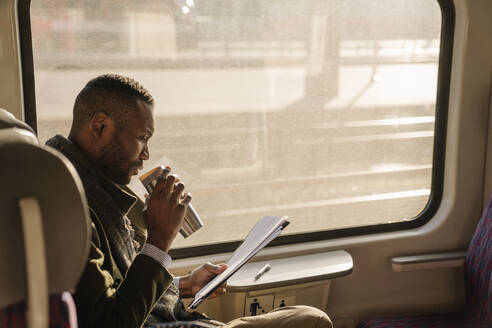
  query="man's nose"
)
[{"x": 145, "y": 154}]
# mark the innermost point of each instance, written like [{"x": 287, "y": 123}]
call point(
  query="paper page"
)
[{"x": 264, "y": 231}]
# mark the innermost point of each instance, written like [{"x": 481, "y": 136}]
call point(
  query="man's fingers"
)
[
  {"x": 164, "y": 174},
  {"x": 164, "y": 187},
  {"x": 169, "y": 184},
  {"x": 178, "y": 190},
  {"x": 184, "y": 202},
  {"x": 222, "y": 268},
  {"x": 186, "y": 198},
  {"x": 212, "y": 268},
  {"x": 218, "y": 292},
  {"x": 169, "y": 187}
]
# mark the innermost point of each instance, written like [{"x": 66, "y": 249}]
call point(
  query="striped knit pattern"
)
[
  {"x": 478, "y": 287},
  {"x": 14, "y": 316}
]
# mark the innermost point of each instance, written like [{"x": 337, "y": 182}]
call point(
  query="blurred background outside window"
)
[{"x": 322, "y": 110}]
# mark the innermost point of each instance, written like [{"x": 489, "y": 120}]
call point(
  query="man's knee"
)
[
  {"x": 315, "y": 317},
  {"x": 298, "y": 316}
]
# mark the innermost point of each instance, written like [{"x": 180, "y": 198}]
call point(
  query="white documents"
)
[{"x": 265, "y": 230}]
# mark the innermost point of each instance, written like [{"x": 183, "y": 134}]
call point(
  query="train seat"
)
[
  {"x": 478, "y": 289},
  {"x": 44, "y": 231}
]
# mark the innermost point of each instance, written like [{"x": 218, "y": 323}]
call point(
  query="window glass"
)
[{"x": 319, "y": 110}]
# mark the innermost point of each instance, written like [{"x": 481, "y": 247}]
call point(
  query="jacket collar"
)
[{"x": 121, "y": 195}]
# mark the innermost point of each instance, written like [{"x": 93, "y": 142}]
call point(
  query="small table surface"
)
[{"x": 292, "y": 271}]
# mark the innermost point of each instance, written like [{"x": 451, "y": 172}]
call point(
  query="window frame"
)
[{"x": 440, "y": 129}]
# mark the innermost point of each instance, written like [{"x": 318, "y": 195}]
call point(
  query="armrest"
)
[
  {"x": 292, "y": 271},
  {"x": 428, "y": 261}
]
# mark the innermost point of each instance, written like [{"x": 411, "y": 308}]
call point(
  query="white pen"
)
[{"x": 262, "y": 271}]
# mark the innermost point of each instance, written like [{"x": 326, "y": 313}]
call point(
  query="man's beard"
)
[{"x": 113, "y": 162}]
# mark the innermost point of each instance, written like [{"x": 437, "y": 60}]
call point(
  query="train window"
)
[{"x": 324, "y": 111}]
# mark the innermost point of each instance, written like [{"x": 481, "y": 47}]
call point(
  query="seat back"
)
[
  {"x": 478, "y": 269},
  {"x": 44, "y": 226}
]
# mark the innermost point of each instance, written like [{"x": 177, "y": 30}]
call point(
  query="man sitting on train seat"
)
[{"x": 125, "y": 282}]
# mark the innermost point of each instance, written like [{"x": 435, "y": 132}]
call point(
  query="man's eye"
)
[{"x": 143, "y": 139}]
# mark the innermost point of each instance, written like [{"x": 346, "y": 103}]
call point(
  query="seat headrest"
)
[
  {"x": 13, "y": 130},
  {"x": 7, "y": 120}
]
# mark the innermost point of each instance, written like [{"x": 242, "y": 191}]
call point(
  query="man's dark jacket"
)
[{"x": 119, "y": 287}]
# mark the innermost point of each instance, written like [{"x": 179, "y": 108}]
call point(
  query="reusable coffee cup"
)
[{"x": 192, "y": 221}]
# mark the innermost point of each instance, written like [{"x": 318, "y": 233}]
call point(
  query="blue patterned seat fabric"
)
[
  {"x": 62, "y": 313},
  {"x": 478, "y": 288}
]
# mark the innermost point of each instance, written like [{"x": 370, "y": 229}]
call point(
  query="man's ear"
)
[{"x": 102, "y": 125}]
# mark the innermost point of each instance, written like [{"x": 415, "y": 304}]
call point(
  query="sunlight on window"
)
[{"x": 319, "y": 110}]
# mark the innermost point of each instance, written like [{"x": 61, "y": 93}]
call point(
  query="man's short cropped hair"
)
[{"x": 114, "y": 94}]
